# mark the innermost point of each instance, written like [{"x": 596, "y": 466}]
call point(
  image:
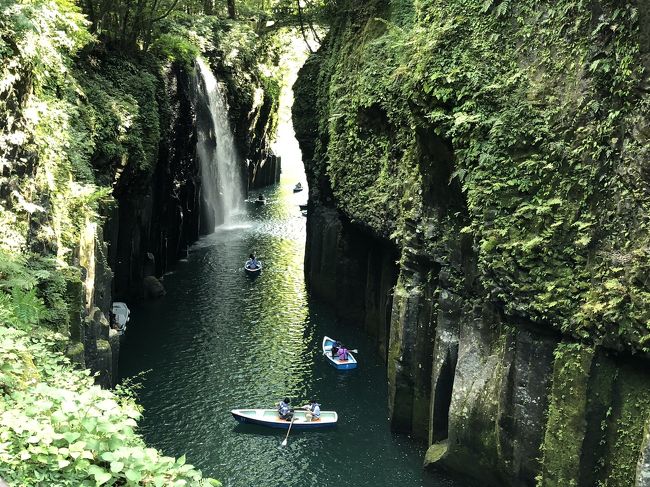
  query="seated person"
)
[
  {"x": 313, "y": 411},
  {"x": 285, "y": 411},
  {"x": 252, "y": 262},
  {"x": 334, "y": 351},
  {"x": 343, "y": 353}
]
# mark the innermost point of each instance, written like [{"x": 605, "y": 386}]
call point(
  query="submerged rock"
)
[{"x": 152, "y": 287}]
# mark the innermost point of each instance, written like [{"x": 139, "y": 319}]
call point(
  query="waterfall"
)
[{"x": 221, "y": 171}]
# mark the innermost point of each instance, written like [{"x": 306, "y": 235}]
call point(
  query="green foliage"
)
[
  {"x": 57, "y": 428},
  {"x": 565, "y": 428},
  {"x": 175, "y": 48},
  {"x": 122, "y": 115},
  {"x": 541, "y": 106},
  {"x": 76, "y": 118},
  {"x": 20, "y": 307}
]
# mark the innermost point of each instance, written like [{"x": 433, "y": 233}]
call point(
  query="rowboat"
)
[
  {"x": 270, "y": 418},
  {"x": 350, "y": 363},
  {"x": 121, "y": 315},
  {"x": 297, "y": 188},
  {"x": 260, "y": 201},
  {"x": 252, "y": 271}
]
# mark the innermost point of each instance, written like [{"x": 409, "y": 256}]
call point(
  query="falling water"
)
[{"x": 221, "y": 193}]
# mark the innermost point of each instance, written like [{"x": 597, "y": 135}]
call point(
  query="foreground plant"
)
[{"x": 57, "y": 428}]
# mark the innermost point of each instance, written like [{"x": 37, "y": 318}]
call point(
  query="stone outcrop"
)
[
  {"x": 156, "y": 220},
  {"x": 253, "y": 115},
  {"x": 497, "y": 387}
]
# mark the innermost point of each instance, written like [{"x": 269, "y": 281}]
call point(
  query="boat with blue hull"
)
[
  {"x": 270, "y": 418},
  {"x": 252, "y": 270},
  {"x": 350, "y": 363}
]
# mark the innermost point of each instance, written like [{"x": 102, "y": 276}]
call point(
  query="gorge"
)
[{"x": 476, "y": 219}]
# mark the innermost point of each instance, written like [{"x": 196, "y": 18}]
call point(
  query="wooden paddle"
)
[{"x": 284, "y": 443}]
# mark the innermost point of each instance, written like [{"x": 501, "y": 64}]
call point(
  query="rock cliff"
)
[
  {"x": 100, "y": 182},
  {"x": 477, "y": 192}
]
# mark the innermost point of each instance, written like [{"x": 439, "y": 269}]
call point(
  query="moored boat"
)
[
  {"x": 119, "y": 316},
  {"x": 350, "y": 363},
  {"x": 270, "y": 418},
  {"x": 252, "y": 270}
]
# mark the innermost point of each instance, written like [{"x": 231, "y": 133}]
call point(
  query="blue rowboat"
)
[
  {"x": 350, "y": 363},
  {"x": 270, "y": 418},
  {"x": 252, "y": 271}
]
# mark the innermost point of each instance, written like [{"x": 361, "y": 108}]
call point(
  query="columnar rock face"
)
[
  {"x": 157, "y": 218},
  {"x": 156, "y": 214},
  {"x": 512, "y": 313},
  {"x": 253, "y": 116}
]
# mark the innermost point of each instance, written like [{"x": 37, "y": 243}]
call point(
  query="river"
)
[{"x": 221, "y": 340}]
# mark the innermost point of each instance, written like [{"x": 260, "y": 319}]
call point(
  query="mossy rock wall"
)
[{"x": 499, "y": 150}]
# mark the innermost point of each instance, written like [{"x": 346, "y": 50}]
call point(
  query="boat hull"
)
[
  {"x": 270, "y": 418},
  {"x": 255, "y": 271},
  {"x": 351, "y": 363}
]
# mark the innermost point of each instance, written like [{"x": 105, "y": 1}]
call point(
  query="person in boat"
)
[
  {"x": 252, "y": 263},
  {"x": 285, "y": 411},
  {"x": 335, "y": 349},
  {"x": 112, "y": 320},
  {"x": 343, "y": 353},
  {"x": 313, "y": 411}
]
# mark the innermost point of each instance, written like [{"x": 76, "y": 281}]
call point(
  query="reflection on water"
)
[{"x": 222, "y": 340}]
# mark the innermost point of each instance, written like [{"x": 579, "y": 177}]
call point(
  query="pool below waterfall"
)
[{"x": 221, "y": 340}]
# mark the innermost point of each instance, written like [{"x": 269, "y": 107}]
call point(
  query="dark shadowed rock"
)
[{"x": 152, "y": 287}]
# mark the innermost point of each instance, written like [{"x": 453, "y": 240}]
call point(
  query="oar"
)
[
  {"x": 351, "y": 351},
  {"x": 284, "y": 443}
]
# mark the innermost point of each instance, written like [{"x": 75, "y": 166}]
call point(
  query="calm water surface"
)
[{"x": 221, "y": 340}]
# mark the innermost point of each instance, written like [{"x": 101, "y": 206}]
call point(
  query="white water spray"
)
[{"x": 221, "y": 171}]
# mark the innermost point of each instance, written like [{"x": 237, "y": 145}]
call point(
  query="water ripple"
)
[{"x": 221, "y": 340}]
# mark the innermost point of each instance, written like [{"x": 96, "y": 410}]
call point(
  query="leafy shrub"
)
[
  {"x": 58, "y": 429},
  {"x": 176, "y": 48}
]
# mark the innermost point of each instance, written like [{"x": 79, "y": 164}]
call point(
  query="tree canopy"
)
[{"x": 132, "y": 24}]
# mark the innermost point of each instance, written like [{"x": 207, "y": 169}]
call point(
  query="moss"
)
[
  {"x": 625, "y": 426},
  {"x": 76, "y": 353},
  {"x": 600, "y": 398},
  {"x": 536, "y": 107},
  {"x": 565, "y": 427}
]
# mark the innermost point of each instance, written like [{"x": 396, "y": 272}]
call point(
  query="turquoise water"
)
[{"x": 221, "y": 340}]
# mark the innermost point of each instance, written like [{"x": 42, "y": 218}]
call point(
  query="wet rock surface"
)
[{"x": 499, "y": 394}]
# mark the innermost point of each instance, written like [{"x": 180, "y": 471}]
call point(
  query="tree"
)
[
  {"x": 127, "y": 22},
  {"x": 232, "y": 13}
]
